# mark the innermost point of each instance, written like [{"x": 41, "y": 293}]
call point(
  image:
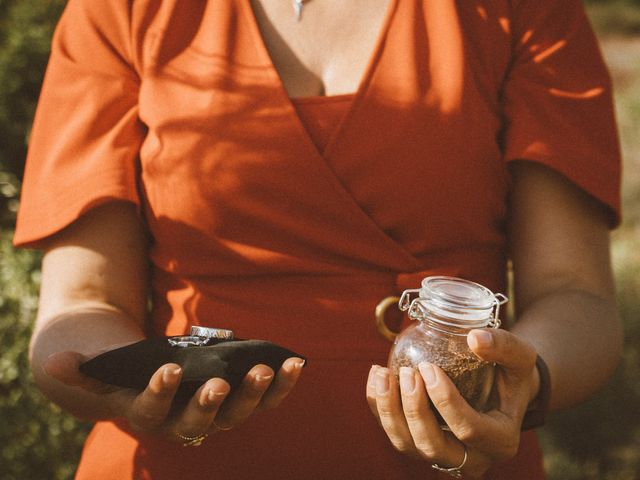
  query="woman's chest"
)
[
  {"x": 417, "y": 156},
  {"x": 321, "y": 47}
]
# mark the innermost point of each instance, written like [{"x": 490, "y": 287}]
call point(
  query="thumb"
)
[
  {"x": 65, "y": 367},
  {"x": 516, "y": 358},
  {"x": 515, "y": 355}
]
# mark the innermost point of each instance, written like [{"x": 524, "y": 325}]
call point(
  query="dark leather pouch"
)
[{"x": 133, "y": 365}]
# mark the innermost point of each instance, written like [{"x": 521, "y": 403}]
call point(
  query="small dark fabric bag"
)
[{"x": 133, "y": 365}]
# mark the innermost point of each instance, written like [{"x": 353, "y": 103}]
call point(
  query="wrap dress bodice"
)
[{"x": 256, "y": 228}]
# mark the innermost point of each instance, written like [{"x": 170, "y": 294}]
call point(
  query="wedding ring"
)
[
  {"x": 207, "y": 332},
  {"x": 455, "y": 472},
  {"x": 191, "y": 441}
]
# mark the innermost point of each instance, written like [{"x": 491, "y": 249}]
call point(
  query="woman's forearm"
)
[
  {"x": 579, "y": 336},
  {"x": 88, "y": 331}
]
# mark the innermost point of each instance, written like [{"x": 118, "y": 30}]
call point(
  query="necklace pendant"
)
[{"x": 297, "y": 7}]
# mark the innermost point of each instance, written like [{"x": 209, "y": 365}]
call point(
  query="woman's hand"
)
[
  {"x": 212, "y": 408},
  {"x": 489, "y": 437},
  {"x": 94, "y": 293}
]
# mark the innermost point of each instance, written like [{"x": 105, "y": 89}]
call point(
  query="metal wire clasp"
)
[
  {"x": 405, "y": 302},
  {"x": 418, "y": 311},
  {"x": 500, "y": 299},
  {"x": 413, "y": 306}
]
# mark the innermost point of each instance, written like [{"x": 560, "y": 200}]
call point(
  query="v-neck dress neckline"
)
[
  {"x": 322, "y": 116},
  {"x": 363, "y": 84}
]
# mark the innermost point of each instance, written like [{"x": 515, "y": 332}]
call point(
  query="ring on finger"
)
[
  {"x": 224, "y": 429},
  {"x": 455, "y": 472},
  {"x": 194, "y": 441}
]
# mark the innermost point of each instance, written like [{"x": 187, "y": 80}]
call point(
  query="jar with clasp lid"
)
[{"x": 445, "y": 310}]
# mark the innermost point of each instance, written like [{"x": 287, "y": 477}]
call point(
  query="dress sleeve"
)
[
  {"x": 558, "y": 101},
  {"x": 83, "y": 148}
]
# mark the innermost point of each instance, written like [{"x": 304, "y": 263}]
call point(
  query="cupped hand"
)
[
  {"x": 212, "y": 408},
  {"x": 402, "y": 406}
]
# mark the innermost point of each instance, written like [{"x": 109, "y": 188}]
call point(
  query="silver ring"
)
[
  {"x": 207, "y": 332},
  {"x": 455, "y": 472},
  {"x": 187, "y": 341}
]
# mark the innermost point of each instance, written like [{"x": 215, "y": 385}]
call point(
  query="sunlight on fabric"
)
[
  {"x": 546, "y": 53},
  {"x": 591, "y": 93},
  {"x": 527, "y": 35},
  {"x": 505, "y": 24},
  {"x": 447, "y": 54}
]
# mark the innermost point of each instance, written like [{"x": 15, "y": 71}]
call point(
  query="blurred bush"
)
[
  {"x": 37, "y": 441},
  {"x": 598, "y": 440},
  {"x": 26, "y": 27},
  {"x": 615, "y": 17}
]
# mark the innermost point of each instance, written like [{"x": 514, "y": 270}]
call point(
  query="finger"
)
[
  {"x": 151, "y": 407},
  {"x": 516, "y": 359},
  {"x": 465, "y": 423},
  {"x": 371, "y": 391},
  {"x": 198, "y": 415},
  {"x": 512, "y": 353},
  {"x": 427, "y": 435},
  {"x": 390, "y": 412},
  {"x": 246, "y": 398},
  {"x": 285, "y": 380},
  {"x": 65, "y": 367},
  {"x": 429, "y": 439}
]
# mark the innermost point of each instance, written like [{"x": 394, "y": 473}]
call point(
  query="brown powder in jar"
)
[{"x": 467, "y": 372}]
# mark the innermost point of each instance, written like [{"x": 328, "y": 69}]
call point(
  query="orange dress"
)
[{"x": 294, "y": 235}]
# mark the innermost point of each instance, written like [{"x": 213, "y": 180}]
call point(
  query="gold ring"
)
[
  {"x": 224, "y": 429},
  {"x": 381, "y": 311},
  {"x": 192, "y": 441}
]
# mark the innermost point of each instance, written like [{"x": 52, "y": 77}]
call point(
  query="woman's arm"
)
[
  {"x": 564, "y": 288},
  {"x": 567, "y": 313},
  {"x": 93, "y": 299}
]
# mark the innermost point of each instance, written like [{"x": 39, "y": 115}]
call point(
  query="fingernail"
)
[
  {"x": 382, "y": 381},
  {"x": 170, "y": 376},
  {"x": 371, "y": 379},
  {"x": 481, "y": 339},
  {"x": 296, "y": 365},
  {"x": 428, "y": 374},
  {"x": 46, "y": 363},
  {"x": 211, "y": 396},
  {"x": 262, "y": 378},
  {"x": 407, "y": 380}
]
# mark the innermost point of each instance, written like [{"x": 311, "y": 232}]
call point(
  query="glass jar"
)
[{"x": 446, "y": 309}]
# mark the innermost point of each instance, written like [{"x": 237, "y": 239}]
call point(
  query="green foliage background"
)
[{"x": 599, "y": 440}]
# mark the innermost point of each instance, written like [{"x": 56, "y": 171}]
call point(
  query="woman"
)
[{"x": 279, "y": 171}]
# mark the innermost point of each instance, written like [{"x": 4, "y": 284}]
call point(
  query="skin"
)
[
  {"x": 559, "y": 245},
  {"x": 566, "y": 312},
  {"x": 95, "y": 272},
  {"x": 325, "y": 53},
  {"x": 95, "y": 280}
]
